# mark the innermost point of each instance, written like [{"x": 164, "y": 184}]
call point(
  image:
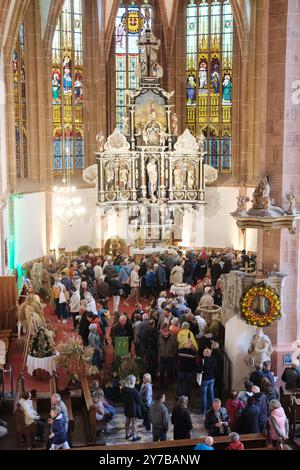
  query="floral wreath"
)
[{"x": 248, "y": 312}]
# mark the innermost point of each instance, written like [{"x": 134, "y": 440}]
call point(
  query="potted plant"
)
[{"x": 41, "y": 346}]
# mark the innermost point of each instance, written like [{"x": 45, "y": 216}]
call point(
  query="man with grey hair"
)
[
  {"x": 206, "y": 445},
  {"x": 216, "y": 419},
  {"x": 235, "y": 443}
]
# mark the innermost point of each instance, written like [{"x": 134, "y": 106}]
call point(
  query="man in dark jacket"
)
[
  {"x": 208, "y": 369},
  {"x": 181, "y": 419},
  {"x": 216, "y": 419},
  {"x": 160, "y": 278},
  {"x": 149, "y": 348},
  {"x": 291, "y": 376},
  {"x": 257, "y": 376},
  {"x": 84, "y": 326},
  {"x": 132, "y": 407},
  {"x": 192, "y": 300},
  {"x": 167, "y": 348},
  {"x": 185, "y": 368},
  {"x": 188, "y": 271},
  {"x": 121, "y": 329},
  {"x": 248, "y": 421},
  {"x": 262, "y": 402},
  {"x": 159, "y": 416}
]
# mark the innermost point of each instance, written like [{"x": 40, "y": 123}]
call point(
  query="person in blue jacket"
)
[
  {"x": 58, "y": 437},
  {"x": 206, "y": 445}
]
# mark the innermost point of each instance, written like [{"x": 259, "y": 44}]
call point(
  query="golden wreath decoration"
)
[{"x": 249, "y": 313}]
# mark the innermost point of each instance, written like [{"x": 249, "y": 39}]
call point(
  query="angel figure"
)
[
  {"x": 175, "y": 124},
  {"x": 125, "y": 121},
  {"x": 291, "y": 199},
  {"x": 100, "y": 141},
  {"x": 162, "y": 137},
  {"x": 241, "y": 203}
]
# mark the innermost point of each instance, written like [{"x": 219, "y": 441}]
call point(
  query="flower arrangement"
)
[
  {"x": 124, "y": 366},
  {"x": 75, "y": 358},
  {"x": 84, "y": 250},
  {"x": 249, "y": 311},
  {"x": 42, "y": 343}
]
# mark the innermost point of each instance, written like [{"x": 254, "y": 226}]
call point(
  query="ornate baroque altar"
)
[{"x": 147, "y": 168}]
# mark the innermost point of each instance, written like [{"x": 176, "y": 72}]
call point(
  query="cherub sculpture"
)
[{"x": 241, "y": 203}]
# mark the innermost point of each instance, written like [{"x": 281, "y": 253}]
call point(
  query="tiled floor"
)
[{"x": 116, "y": 429}]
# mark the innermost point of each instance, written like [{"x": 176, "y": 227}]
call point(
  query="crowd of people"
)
[{"x": 177, "y": 340}]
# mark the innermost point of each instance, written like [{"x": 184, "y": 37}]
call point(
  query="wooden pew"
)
[
  {"x": 251, "y": 442},
  {"x": 91, "y": 412},
  {"x": 66, "y": 398},
  {"x": 22, "y": 429},
  {"x": 294, "y": 415}
]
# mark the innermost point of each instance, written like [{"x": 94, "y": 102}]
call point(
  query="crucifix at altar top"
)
[{"x": 149, "y": 46}]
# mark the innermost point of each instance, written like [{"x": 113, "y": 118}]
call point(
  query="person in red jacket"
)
[
  {"x": 233, "y": 407},
  {"x": 235, "y": 443},
  {"x": 95, "y": 319}
]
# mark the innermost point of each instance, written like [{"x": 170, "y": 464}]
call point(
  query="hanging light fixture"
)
[{"x": 67, "y": 205}]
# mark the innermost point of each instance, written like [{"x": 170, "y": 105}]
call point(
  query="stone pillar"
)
[{"x": 282, "y": 164}]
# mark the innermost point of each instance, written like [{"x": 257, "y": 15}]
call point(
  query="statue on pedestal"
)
[
  {"x": 153, "y": 177},
  {"x": 123, "y": 177},
  {"x": 241, "y": 203},
  {"x": 261, "y": 196},
  {"x": 110, "y": 176},
  {"x": 178, "y": 176},
  {"x": 291, "y": 199},
  {"x": 260, "y": 349}
]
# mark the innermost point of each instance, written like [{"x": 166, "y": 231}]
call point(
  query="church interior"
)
[{"x": 149, "y": 225}]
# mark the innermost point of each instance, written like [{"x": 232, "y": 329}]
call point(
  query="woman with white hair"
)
[
  {"x": 134, "y": 285},
  {"x": 96, "y": 342},
  {"x": 132, "y": 408},
  {"x": 278, "y": 422},
  {"x": 146, "y": 395}
]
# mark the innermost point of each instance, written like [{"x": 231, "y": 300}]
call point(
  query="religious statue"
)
[
  {"x": 261, "y": 195},
  {"x": 100, "y": 141},
  {"x": 123, "y": 177},
  {"x": 178, "y": 176},
  {"x": 140, "y": 240},
  {"x": 153, "y": 177},
  {"x": 145, "y": 137},
  {"x": 291, "y": 199},
  {"x": 201, "y": 141},
  {"x": 260, "y": 349},
  {"x": 125, "y": 121},
  {"x": 162, "y": 137},
  {"x": 149, "y": 45},
  {"x": 241, "y": 203},
  {"x": 110, "y": 176},
  {"x": 191, "y": 177},
  {"x": 174, "y": 124}
]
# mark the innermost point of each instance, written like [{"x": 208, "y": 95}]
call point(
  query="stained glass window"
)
[
  {"x": 130, "y": 23},
  {"x": 67, "y": 88},
  {"x": 20, "y": 106},
  {"x": 209, "y": 54}
]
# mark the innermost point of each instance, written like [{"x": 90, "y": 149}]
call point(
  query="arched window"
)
[
  {"x": 67, "y": 88},
  {"x": 20, "y": 106},
  {"x": 209, "y": 54},
  {"x": 130, "y": 22}
]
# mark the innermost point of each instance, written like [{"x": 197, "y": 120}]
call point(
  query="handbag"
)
[
  {"x": 199, "y": 378},
  {"x": 62, "y": 297}
]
